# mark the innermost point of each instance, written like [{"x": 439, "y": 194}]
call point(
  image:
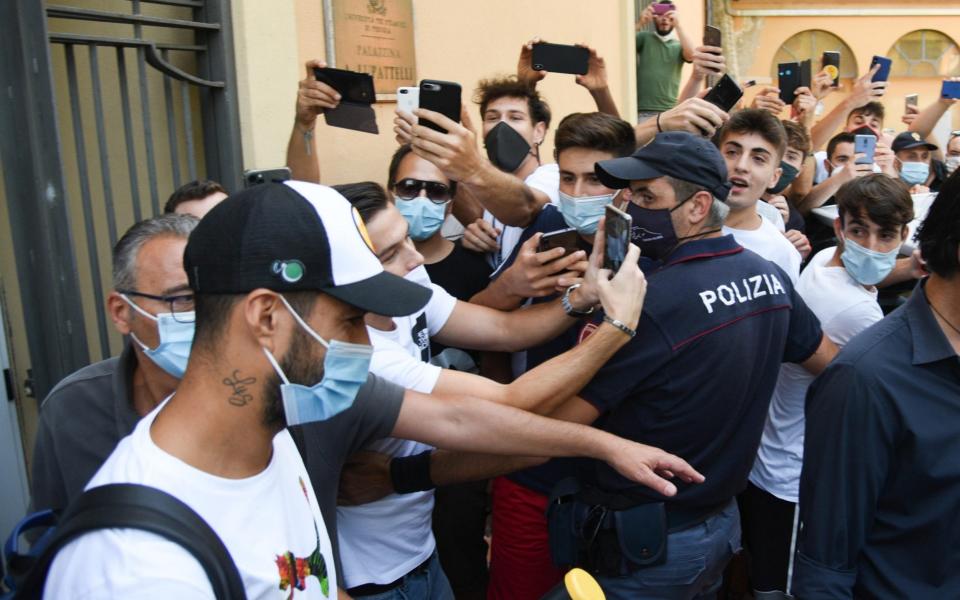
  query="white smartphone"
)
[{"x": 408, "y": 99}]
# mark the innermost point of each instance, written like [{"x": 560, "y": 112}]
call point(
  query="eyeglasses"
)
[
  {"x": 408, "y": 189},
  {"x": 179, "y": 304}
]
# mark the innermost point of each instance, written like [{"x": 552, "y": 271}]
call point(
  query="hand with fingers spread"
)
[
  {"x": 536, "y": 274},
  {"x": 526, "y": 74},
  {"x": 481, "y": 236},
  {"x": 694, "y": 115},
  {"x": 652, "y": 467},
  {"x": 365, "y": 478},
  {"x": 799, "y": 241},
  {"x": 768, "y": 99},
  {"x": 708, "y": 60},
  {"x": 313, "y": 96}
]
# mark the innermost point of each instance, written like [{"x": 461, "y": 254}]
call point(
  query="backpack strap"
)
[{"x": 132, "y": 506}]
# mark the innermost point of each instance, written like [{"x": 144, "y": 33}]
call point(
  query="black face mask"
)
[
  {"x": 786, "y": 178},
  {"x": 506, "y": 148},
  {"x": 652, "y": 230}
]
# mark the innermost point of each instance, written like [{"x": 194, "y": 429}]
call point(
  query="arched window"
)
[
  {"x": 811, "y": 44},
  {"x": 924, "y": 53}
]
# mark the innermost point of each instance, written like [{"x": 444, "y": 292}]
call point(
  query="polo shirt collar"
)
[
  {"x": 704, "y": 248},
  {"x": 929, "y": 343}
]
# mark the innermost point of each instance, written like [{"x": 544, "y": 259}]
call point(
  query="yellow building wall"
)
[{"x": 866, "y": 36}]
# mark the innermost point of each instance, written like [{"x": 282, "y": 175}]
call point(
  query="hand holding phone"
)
[
  {"x": 616, "y": 237},
  {"x": 562, "y": 238},
  {"x": 725, "y": 94},
  {"x": 408, "y": 99},
  {"x": 357, "y": 97},
  {"x": 712, "y": 36},
  {"x": 884, "y": 73},
  {"x": 866, "y": 145},
  {"x": 559, "y": 58},
  {"x": 830, "y": 61},
  {"x": 442, "y": 97}
]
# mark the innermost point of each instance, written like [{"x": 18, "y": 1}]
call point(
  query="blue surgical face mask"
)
[
  {"x": 176, "y": 337},
  {"x": 423, "y": 215},
  {"x": 914, "y": 173},
  {"x": 584, "y": 212},
  {"x": 867, "y": 267},
  {"x": 345, "y": 370}
]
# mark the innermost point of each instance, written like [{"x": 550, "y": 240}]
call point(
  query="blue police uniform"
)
[{"x": 696, "y": 381}]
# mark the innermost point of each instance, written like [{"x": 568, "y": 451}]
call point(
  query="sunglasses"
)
[{"x": 408, "y": 189}]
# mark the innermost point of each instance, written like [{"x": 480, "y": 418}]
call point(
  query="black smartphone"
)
[
  {"x": 712, "y": 36},
  {"x": 725, "y": 94},
  {"x": 884, "y": 73},
  {"x": 831, "y": 62},
  {"x": 617, "y": 237},
  {"x": 257, "y": 176},
  {"x": 562, "y": 238},
  {"x": 558, "y": 58},
  {"x": 791, "y": 76},
  {"x": 353, "y": 86},
  {"x": 442, "y": 97},
  {"x": 864, "y": 144}
]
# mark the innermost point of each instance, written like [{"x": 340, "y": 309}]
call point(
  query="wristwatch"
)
[{"x": 569, "y": 309}]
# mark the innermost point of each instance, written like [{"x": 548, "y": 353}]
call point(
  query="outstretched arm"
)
[{"x": 312, "y": 97}]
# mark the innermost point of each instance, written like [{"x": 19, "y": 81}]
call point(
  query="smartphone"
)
[
  {"x": 558, "y": 58},
  {"x": 884, "y": 73},
  {"x": 442, "y": 97},
  {"x": 950, "y": 89},
  {"x": 725, "y": 94},
  {"x": 712, "y": 36},
  {"x": 911, "y": 100},
  {"x": 353, "y": 86},
  {"x": 617, "y": 237},
  {"x": 257, "y": 176},
  {"x": 791, "y": 76},
  {"x": 864, "y": 144},
  {"x": 408, "y": 99},
  {"x": 562, "y": 238},
  {"x": 831, "y": 62},
  {"x": 662, "y": 8}
]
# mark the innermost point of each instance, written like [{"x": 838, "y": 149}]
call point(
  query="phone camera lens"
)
[{"x": 538, "y": 67}]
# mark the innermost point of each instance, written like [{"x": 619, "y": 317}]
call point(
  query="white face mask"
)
[
  {"x": 836, "y": 169},
  {"x": 952, "y": 162}
]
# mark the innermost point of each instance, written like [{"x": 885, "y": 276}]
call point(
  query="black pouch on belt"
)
[
  {"x": 642, "y": 533},
  {"x": 561, "y": 523}
]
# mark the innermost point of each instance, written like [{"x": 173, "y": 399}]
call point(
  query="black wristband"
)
[
  {"x": 411, "y": 473},
  {"x": 658, "y": 124}
]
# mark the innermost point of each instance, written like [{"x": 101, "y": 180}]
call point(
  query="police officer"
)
[{"x": 696, "y": 380}]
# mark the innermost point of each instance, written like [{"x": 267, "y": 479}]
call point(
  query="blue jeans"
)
[
  {"x": 431, "y": 584},
  {"x": 696, "y": 558}
]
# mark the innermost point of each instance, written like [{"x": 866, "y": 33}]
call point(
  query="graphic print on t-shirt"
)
[
  {"x": 295, "y": 570},
  {"x": 421, "y": 337}
]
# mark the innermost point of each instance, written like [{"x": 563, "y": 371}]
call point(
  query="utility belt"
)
[{"x": 610, "y": 534}]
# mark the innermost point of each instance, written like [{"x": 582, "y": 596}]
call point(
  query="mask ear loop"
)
[
  {"x": 133, "y": 305},
  {"x": 303, "y": 323},
  {"x": 276, "y": 367}
]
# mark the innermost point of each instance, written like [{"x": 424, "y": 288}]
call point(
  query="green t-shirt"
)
[{"x": 658, "y": 72}]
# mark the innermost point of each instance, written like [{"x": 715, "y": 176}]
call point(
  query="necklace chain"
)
[{"x": 939, "y": 314}]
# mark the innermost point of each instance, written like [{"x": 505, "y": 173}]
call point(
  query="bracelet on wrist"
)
[
  {"x": 620, "y": 325},
  {"x": 568, "y": 307},
  {"x": 658, "y": 124}
]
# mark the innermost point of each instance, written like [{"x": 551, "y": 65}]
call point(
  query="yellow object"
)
[
  {"x": 581, "y": 586},
  {"x": 832, "y": 71}
]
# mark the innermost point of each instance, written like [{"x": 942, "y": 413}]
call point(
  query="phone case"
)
[
  {"x": 712, "y": 36},
  {"x": 662, "y": 8},
  {"x": 725, "y": 94},
  {"x": 357, "y": 95},
  {"x": 864, "y": 144},
  {"x": 257, "y": 176},
  {"x": 563, "y": 238},
  {"x": 408, "y": 99},
  {"x": 788, "y": 76},
  {"x": 558, "y": 58},
  {"x": 950, "y": 89},
  {"x": 832, "y": 59},
  {"x": 884, "y": 73},
  {"x": 442, "y": 97}
]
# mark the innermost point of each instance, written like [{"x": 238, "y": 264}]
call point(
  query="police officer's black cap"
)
[
  {"x": 909, "y": 140},
  {"x": 294, "y": 236},
  {"x": 679, "y": 154}
]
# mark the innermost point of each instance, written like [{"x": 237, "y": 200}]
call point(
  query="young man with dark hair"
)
[
  {"x": 752, "y": 143},
  {"x": 839, "y": 286},
  {"x": 195, "y": 198},
  {"x": 880, "y": 487},
  {"x": 794, "y": 178}
]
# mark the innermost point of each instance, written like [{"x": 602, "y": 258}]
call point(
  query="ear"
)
[
  {"x": 904, "y": 232},
  {"x": 699, "y": 207},
  {"x": 119, "y": 312},
  {"x": 263, "y": 314},
  {"x": 539, "y": 133},
  {"x": 623, "y": 198},
  {"x": 776, "y": 177},
  {"x": 838, "y": 231}
]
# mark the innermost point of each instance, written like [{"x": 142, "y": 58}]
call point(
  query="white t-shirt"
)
[
  {"x": 382, "y": 541},
  {"x": 262, "y": 521},
  {"x": 770, "y": 243},
  {"x": 772, "y": 214},
  {"x": 545, "y": 179},
  {"x": 845, "y": 308}
]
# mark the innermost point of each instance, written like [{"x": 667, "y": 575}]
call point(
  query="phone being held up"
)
[
  {"x": 442, "y": 97},
  {"x": 617, "y": 235}
]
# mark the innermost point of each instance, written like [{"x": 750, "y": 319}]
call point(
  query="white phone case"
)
[{"x": 408, "y": 99}]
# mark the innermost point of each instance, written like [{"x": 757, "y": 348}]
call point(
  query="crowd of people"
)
[{"x": 396, "y": 391}]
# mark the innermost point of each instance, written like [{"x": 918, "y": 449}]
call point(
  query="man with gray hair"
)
[{"x": 91, "y": 410}]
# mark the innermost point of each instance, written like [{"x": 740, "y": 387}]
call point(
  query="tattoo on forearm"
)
[{"x": 240, "y": 396}]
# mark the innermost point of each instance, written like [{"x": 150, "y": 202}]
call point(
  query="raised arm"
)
[
  {"x": 686, "y": 42},
  {"x": 312, "y": 97},
  {"x": 707, "y": 60},
  {"x": 927, "y": 119},
  {"x": 694, "y": 115},
  {"x": 863, "y": 91}
]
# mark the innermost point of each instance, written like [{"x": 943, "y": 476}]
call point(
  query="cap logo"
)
[
  {"x": 358, "y": 221},
  {"x": 290, "y": 271},
  {"x": 916, "y": 136}
]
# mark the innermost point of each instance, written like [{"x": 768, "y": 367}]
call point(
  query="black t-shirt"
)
[{"x": 462, "y": 273}]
